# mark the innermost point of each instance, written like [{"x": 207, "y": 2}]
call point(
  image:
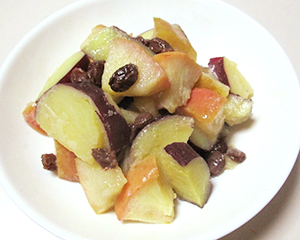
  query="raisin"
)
[
  {"x": 236, "y": 155},
  {"x": 220, "y": 146},
  {"x": 78, "y": 75},
  {"x": 158, "y": 45},
  {"x": 143, "y": 119},
  {"x": 49, "y": 161},
  {"x": 105, "y": 158},
  {"x": 95, "y": 72},
  {"x": 124, "y": 78},
  {"x": 215, "y": 162}
]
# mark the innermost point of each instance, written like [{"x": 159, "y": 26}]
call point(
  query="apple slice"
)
[
  {"x": 65, "y": 162},
  {"x": 174, "y": 35},
  {"x": 82, "y": 117},
  {"x": 151, "y": 77},
  {"x": 187, "y": 172},
  {"x": 206, "y": 107},
  {"x": 209, "y": 80},
  {"x": 183, "y": 73},
  {"x": 101, "y": 186},
  {"x": 229, "y": 74},
  {"x": 91, "y": 39},
  {"x": 237, "y": 109},
  {"x": 62, "y": 74},
  {"x": 146, "y": 197},
  {"x": 156, "y": 135},
  {"x": 29, "y": 117},
  {"x": 97, "y": 45}
]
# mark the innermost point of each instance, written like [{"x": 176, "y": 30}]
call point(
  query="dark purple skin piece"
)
[
  {"x": 182, "y": 152},
  {"x": 217, "y": 66},
  {"x": 117, "y": 129}
]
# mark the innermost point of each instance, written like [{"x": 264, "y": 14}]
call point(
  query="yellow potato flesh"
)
[{"x": 70, "y": 117}]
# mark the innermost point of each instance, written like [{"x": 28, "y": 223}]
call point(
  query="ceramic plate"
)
[{"x": 270, "y": 139}]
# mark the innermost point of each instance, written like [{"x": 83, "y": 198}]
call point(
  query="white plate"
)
[{"x": 271, "y": 139}]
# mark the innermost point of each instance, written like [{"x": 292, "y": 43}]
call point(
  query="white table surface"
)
[{"x": 280, "y": 219}]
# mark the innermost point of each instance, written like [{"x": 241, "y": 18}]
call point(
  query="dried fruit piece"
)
[
  {"x": 158, "y": 45},
  {"x": 49, "y": 161},
  {"x": 236, "y": 155},
  {"x": 95, "y": 72},
  {"x": 78, "y": 75},
  {"x": 216, "y": 162},
  {"x": 123, "y": 78}
]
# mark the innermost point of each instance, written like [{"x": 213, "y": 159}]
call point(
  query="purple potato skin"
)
[
  {"x": 217, "y": 66},
  {"x": 117, "y": 129},
  {"x": 181, "y": 152}
]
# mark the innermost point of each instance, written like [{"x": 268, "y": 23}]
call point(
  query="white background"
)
[{"x": 280, "y": 219}]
